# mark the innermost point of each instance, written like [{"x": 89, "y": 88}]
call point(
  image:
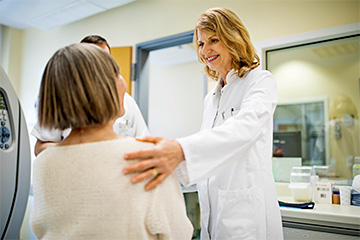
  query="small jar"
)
[{"x": 336, "y": 197}]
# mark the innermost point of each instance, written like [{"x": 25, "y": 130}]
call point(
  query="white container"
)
[
  {"x": 313, "y": 180},
  {"x": 301, "y": 192},
  {"x": 300, "y": 183},
  {"x": 345, "y": 195},
  {"x": 300, "y": 174}
]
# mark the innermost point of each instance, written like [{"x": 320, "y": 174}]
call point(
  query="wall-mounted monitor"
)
[{"x": 287, "y": 144}]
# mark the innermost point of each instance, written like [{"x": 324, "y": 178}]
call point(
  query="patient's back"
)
[{"x": 80, "y": 192}]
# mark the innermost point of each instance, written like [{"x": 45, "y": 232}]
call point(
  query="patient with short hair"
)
[{"x": 79, "y": 189}]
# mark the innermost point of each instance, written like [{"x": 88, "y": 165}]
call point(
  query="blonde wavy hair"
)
[{"x": 227, "y": 26}]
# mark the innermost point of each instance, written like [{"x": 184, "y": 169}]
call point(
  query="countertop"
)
[{"x": 323, "y": 214}]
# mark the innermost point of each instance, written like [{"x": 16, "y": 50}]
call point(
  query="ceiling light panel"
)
[
  {"x": 47, "y": 14},
  {"x": 108, "y": 4},
  {"x": 67, "y": 14},
  {"x": 20, "y": 11}
]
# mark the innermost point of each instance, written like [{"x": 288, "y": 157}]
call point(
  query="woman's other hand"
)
[{"x": 158, "y": 163}]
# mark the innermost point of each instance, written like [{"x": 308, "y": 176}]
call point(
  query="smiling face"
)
[{"x": 214, "y": 54}]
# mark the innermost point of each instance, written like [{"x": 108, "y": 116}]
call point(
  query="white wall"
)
[{"x": 175, "y": 99}]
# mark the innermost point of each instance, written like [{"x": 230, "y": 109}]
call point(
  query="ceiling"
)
[
  {"x": 48, "y": 14},
  {"x": 334, "y": 50}
]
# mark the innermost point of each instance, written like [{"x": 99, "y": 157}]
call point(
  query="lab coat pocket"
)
[{"x": 236, "y": 214}]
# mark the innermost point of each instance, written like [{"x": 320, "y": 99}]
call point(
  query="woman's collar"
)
[{"x": 230, "y": 77}]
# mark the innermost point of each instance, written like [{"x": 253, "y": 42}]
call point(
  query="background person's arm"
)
[
  {"x": 47, "y": 137},
  {"x": 41, "y": 145}
]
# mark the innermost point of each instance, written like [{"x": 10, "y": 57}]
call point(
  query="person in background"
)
[
  {"x": 132, "y": 124},
  {"x": 230, "y": 159},
  {"x": 78, "y": 191}
]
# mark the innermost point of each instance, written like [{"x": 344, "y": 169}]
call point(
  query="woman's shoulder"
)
[
  {"x": 258, "y": 72},
  {"x": 116, "y": 147},
  {"x": 130, "y": 143},
  {"x": 259, "y": 77},
  {"x": 127, "y": 143}
]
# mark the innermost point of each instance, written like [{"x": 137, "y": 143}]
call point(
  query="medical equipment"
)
[{"x": 15, "y": 161}]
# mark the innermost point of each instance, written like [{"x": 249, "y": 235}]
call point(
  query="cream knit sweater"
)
[{"x": 80, "y": 192}]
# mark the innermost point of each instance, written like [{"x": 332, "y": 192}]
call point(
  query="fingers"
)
[
  {"x": 142, "y": 154},
  {"x": 151, "y": 173},
  {"x": 158, "y": 162},
  {"x": 141, "y": 166},
  {"x": 159, "y": 179},
  {"x": 149, "y": 139},
  {"x": 143, "y": 176}
]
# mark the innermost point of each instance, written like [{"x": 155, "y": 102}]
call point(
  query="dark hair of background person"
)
[{"x": 95, "y": 39}]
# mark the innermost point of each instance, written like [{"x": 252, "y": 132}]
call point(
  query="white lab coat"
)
[
  {"x": 131, "y": 124},
  {"x": 230, "y": 160}
]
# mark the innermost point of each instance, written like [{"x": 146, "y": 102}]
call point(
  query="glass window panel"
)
[
  {"x": 308, "y": 119},
  {"x": 330, "y": 129}
]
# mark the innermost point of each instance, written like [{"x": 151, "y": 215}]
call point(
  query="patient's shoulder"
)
[{"x": 131, "y": 144}]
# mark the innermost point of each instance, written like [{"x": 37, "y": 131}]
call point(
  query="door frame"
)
[{"x": 141, "y": 77}]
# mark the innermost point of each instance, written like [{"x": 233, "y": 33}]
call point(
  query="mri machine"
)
[{"x": 15, "y": 161}]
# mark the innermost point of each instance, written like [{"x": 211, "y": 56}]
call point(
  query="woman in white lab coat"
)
[{"x": 230, "y": 158}]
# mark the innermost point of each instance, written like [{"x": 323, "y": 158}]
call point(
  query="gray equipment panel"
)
[{"x": 15, "y": 161}]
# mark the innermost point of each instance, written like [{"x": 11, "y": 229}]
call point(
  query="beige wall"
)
[
  {"x": 300, "y": 79},
  {"x": 11, "y": 55},
  {"x": 145, "y": 20}
]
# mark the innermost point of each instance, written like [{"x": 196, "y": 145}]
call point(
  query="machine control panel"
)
[{"x": 5, "y": 126}]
